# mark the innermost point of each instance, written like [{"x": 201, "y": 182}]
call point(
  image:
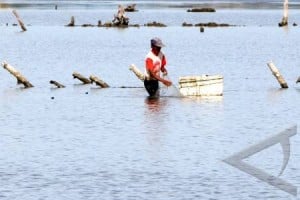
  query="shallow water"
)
[{"x": 83, "y": 142}]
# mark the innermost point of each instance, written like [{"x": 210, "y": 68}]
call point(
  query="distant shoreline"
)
[{"x": 145, "y": 5}]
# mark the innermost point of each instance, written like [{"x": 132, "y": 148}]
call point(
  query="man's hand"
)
[{"x": 167, "y": 83}]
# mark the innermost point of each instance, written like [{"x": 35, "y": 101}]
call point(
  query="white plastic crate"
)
[{"x": 204, "y": 85}]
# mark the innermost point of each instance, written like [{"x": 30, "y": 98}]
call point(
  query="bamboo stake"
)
[
  {"x": 83, "y": 79},
  {"x": 98, "y": 81},
  {"x": 277, "y": 75},
  {"x": 20, "y": 78},
  {"x": 19, "y": 20},
  {"x": 284, "y": 20},
  {"x": 137, "y": 72},
  {"x": 57, "y": 84}
]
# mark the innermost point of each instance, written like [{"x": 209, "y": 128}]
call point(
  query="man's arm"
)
[{"x": 150, "y": 68}]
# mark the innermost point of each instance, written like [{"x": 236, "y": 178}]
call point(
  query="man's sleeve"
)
[
  {"x": 149, "y": 64},
  {"x": 163, "y": 64}
]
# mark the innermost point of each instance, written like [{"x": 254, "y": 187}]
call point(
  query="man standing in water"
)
[{"x": 155, "y": 63}]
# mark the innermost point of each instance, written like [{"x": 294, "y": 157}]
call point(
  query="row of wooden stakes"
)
[{"x": 22, "y": 80}]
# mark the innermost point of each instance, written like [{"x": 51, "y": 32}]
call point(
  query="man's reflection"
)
[{"x": 155, "y": 104}]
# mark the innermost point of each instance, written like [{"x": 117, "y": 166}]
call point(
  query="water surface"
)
[{"x": 83, "y": 142}]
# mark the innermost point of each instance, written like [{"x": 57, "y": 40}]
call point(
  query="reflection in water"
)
[
  {"x": 155, "y": 104},
  {"x": 155, "y": 124}
]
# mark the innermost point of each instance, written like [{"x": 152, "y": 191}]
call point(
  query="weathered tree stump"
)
[
  {"x": 137, "y": 72},
  {"x": 284, "y": 21},
  {"x": 98, "y": 81},
  {"x": 72, "y": 22},
  {"x": 20, "y": 78},
  {"x": 57, "y": 84},
  {"x": 83, "y": 79},
  {"x": 19, "y": 20},
  {"x": 277, "y": 75}
]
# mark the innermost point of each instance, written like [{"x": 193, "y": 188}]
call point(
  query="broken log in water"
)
[
  {"x": 20, "y": 78},
  {"x": 137, "y": 72},
  {"x": 19, "y": 20},
  {"x": 83, "y": 79},
  {"x": 277, "y": 75},
  {"x": 98, "y": 81},
  {"x": 57, "y": 84}
]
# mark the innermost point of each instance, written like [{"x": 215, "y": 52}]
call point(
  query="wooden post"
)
[
  {"x": 57, "y": 84},
  {"x": 277, "y": 75},
  {"x": 98, "y": 81},
  {"x": 137, "y": 72},
  {"x": 19, "y": 20},
  {"x": 72, "y": 22},
  {"x": 284, "y": 21},
  {"x": 83, "y": 79},
  {"x": 20, "y": 78}
]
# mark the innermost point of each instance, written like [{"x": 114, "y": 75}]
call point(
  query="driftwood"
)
[
  {"x": 57, "y": 84},
  {"x": 98, "y": 81},
  {"x": 19, "y": 20},
  {"x": 277, "y": 75},
  {"x": 72, "y": 22},
  {"x": 201, "y": 10},
  {"x": 83, "y": 79},
  {"x": 137, "y": 72},
  {"x": 20, "y": 78}
]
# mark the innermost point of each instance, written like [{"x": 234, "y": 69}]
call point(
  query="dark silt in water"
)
[{"x": 83, "y": 142}]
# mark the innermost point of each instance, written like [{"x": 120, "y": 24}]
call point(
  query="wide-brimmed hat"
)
[{"x": 157, "y": 42}]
